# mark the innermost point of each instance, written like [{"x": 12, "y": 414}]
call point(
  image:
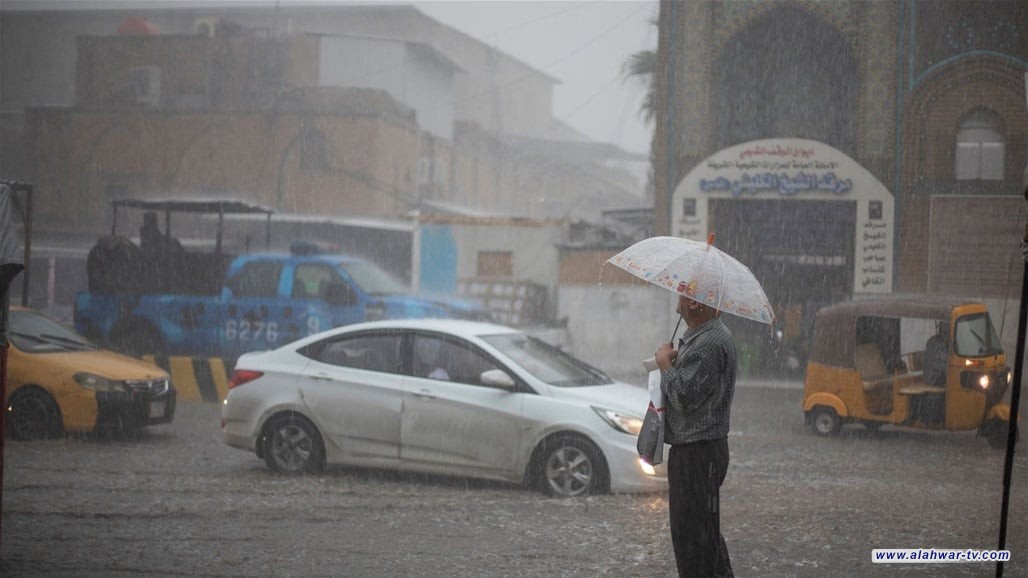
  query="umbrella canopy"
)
[{"x": 699, "y": 271}]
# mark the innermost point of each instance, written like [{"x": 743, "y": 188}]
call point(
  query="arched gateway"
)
[{"x": 812, "y": 224}]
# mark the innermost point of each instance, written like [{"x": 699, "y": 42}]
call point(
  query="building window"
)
[
  {"x": 495, "y": 264},
  {"x": 980, "y": 148}
]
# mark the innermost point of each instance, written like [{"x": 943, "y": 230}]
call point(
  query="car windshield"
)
[
  {"x": 373, "y": 280},
  {"x": 33, "y": 333},
  {"x": 975, "y": 336},
  {"x": 546, "y": 362}
]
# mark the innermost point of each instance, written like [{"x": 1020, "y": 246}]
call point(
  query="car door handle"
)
[
  {"x": 321, "y": 377},
  {"x": 425, "y": 393}
]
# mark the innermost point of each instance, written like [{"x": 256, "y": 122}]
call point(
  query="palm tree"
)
[{"x": 643, "y": 66}]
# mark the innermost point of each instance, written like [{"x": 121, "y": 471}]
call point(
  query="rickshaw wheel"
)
[
  {"x": 824, "y": 421},
  {"x": 872, "y": 426},
  {"x": 996, "y": 431}
]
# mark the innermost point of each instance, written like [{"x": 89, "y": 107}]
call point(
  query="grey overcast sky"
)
[{"x": 582, "y": 43}]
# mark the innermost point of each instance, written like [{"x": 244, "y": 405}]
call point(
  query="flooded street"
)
[{"x": 178, "y": 502}]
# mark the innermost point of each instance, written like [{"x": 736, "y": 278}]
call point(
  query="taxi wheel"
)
[
  {"x": 292, "y": 445},
  {"x": 824, "y": 421},
  {"x": 32, "y": 415},
  {"x": 569, "y": 467}
]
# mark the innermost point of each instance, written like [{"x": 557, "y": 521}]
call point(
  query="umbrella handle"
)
[{"x": 675, "y": 332}]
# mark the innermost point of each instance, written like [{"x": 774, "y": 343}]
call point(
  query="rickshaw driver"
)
[{"x": 936, "y": 356}]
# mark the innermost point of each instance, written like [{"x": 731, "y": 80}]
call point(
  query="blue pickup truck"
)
[{"x": 262, "y": 301}]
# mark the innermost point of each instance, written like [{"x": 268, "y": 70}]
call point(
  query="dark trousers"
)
[{"x": 695, "y": 472}]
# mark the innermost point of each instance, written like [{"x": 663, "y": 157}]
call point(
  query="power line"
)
[
  {"x": 562, "y": 58},
  {"x": 575, "y": 6}
]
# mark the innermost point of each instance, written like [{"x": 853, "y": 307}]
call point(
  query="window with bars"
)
[{"x": 980, "y": 147}]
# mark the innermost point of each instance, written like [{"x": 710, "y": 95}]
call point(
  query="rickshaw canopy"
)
[{"x": 835, "y": 326}]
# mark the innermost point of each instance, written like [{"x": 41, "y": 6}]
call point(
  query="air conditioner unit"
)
[
  {"x": 145, "y": 84},
  {"x": 206, "y": 26}
]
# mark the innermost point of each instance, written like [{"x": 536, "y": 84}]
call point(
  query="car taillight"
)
[{"x": 241, "y": 376}]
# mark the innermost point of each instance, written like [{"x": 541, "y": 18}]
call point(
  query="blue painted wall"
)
[{"x": 438, "y": 260}]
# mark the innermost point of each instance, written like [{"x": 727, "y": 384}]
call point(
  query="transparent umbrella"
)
[{"x": 699, "y": 271}]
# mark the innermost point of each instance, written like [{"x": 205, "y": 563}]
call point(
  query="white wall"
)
[
  {"x": 1004, "y": 317},
  {"x": 616, "y": 327},
  {"x": 535, "y": 257},
  {"x": 413, "y": 79}
]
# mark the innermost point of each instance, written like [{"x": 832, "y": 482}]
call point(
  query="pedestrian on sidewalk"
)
[{"x": 698, "y": 381}]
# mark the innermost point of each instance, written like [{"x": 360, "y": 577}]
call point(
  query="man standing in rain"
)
[{"x": 698, "y": 381}]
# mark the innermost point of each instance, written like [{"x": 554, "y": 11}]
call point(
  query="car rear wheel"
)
[
  {"x": 571, "y": 467},
  {"x": 292, "y": 445},
  {"x": 32, "y": 414},
  {"x": 824, "y": 421}
]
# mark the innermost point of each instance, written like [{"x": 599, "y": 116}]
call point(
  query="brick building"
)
[{"x": 815, "y": 138}]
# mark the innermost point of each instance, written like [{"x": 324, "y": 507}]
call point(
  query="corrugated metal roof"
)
[{"x": 195, "y": 205}]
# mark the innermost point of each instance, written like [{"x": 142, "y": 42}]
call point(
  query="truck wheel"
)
[
  {"x": 824, "y": 421},
  {"x": 138, "y": 340}
]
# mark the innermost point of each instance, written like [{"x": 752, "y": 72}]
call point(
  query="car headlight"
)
[
  {"x": 97, "y": 382},
  {"x": 620, "y": 421}
]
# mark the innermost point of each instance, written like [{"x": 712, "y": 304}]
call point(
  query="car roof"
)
[{"x": 457, "y": 327}]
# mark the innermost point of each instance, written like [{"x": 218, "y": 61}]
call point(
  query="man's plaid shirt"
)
[{"x": 699, "y": 385}]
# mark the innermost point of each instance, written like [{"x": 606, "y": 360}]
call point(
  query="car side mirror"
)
[
  {"x": 340, "y": 294},
  {"x": 497, "y": 378}
]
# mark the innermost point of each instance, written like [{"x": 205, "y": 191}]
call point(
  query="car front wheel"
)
[
  {"x": 292, "y": 445},
  {"x": 571, "y": 467},
  {"x": 32, "y": 414}
]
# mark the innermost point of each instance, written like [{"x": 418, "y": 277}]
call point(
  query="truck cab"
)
[{"x": 274, "y": 299}]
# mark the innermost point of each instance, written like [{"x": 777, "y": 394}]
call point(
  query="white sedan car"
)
[{"x": 440, "y": 396}]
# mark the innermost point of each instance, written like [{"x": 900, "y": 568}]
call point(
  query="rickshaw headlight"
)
[
  {"x": 975, "y": 380},
  {"x": 1010, "y": 376}
]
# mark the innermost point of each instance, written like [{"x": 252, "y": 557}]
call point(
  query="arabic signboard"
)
[{"x": 796, "y": 170}]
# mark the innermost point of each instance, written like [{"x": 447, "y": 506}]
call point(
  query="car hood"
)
[
  {"x": 104, "y": 363},
  {"x": 618, "y": 396}
]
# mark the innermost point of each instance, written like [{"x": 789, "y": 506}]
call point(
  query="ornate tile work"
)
[
  {"x": 877, "y": 103},
  {"x": 737, "y": 13}
]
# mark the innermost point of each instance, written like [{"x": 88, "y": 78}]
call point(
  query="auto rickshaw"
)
[{"x": 923, "y": 362}]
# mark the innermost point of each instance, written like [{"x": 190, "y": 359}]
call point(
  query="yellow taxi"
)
[{"x": 57, "y": 381}]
